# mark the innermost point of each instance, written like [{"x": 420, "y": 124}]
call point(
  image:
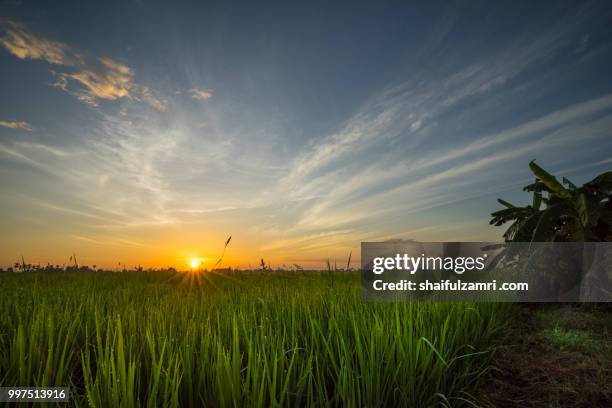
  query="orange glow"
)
[{"x": 160, "y": 247}]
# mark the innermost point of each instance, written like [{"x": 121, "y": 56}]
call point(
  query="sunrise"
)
[{"x": 215, "y": 190}]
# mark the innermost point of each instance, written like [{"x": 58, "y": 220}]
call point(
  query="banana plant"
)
[{"x": 560, "y": 211}]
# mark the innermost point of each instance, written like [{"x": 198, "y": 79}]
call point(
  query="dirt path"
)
[{"x": 553, "y": 356}]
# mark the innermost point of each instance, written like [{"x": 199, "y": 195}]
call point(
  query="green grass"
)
[
  {"x": 565, "y": 339},
  {"x": 250, "y": 339},
  {"x": 581, "y": 329}
]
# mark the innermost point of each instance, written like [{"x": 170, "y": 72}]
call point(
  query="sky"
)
[{"x": 148, "y": 132}]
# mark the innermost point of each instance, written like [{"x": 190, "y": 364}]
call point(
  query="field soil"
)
[{"x": 553, "y": 356}]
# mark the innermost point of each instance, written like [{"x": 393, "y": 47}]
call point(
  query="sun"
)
[{"x": 194, "y": 263}]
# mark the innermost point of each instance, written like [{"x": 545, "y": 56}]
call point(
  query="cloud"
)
[
  {"x": 23, "y": 44},
  {"x": 16, "y": 125},
  {"x": 147, "y": 97},
  {"x": 45, "y": 148},
  {"x": 201, "y": 94},
  {"x": 90, "y": 80},
  {"x": 34, "y": 161},
  {"x": 107, "y": 79}
]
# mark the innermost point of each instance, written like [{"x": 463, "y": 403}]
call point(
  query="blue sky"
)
[{"x": 148, "y": 132}]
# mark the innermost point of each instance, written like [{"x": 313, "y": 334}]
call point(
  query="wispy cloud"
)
[
  {"x": 44, "y": 148},
  {"x": 442, "y": 177},
  {"x": 146, "y": 95},
  {"x": 200, "y": 94},
  {"x": 24, "y": 44},
  {"x": 404, "y": 149},
  {"x": 16, "y": 125},
  {"x": 90, "y": 79},
  {"x": 105, "y": 80}
]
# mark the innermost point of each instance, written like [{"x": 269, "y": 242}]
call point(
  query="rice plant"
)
[{"x": 250, "y": 339}]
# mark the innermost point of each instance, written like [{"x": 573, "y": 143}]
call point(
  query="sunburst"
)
[{"x": 195, "y": 263}]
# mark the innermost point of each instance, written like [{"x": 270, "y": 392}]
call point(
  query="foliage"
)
[{"x": 569, "y": 213}]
